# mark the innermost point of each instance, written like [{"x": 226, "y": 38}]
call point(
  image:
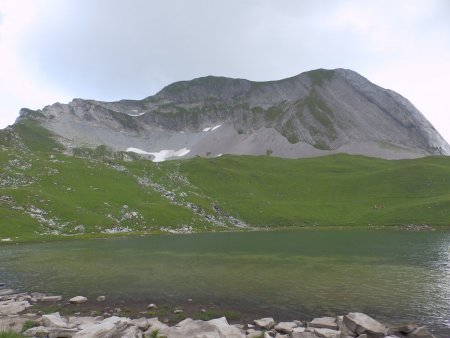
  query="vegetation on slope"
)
[
  {"x": 44, "y": 192},
  {"x": 332, "y": 190}
]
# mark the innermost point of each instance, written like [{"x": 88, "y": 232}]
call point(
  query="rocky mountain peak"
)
[{"x": 315, "y": 113}]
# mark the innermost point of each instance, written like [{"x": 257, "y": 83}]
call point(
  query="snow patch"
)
[
  {"x": 136, "y": 114},
  {"x": 162, "y": 155},
  {"x": 212, "y": 128}
]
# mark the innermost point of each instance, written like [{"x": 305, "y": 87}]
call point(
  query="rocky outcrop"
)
[
  {"x": 315, "y": 113},
  {"x": 361, "y": 323},
  {"x": 11, "y": 307},
  {"x": 54, "y": 325}
]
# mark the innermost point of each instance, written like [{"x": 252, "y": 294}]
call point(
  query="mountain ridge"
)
[{"x": 319, "y": 112}]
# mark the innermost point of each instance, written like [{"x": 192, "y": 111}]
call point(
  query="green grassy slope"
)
[
  {"x": 332, "y": 190},
  {"x": 45, "y": 193}
]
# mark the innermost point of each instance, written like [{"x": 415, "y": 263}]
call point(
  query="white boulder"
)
[{"x": 78, "y": 300}]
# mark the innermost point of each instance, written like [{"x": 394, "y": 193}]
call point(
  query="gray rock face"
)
[
  {"x": 343, "y": 328},
  {"x": 47, "y": 299},
  {"x": 324, "y": 323},
  {"x": 315, "y": 113},
  {"x": 225, "y": 329},
  {"x": 108, "y": 328},
  {"x": 39, "y": 331},
  {"x": 327, "y": 333},
  {"x": 304, "y": 335},
  {"x": 265, "y": 323},
  {"x": 6, "y": 292},
  {"x": 12, "y": 307},
  {"x": 285, "y": 327},
  {"x": 361, "y": 323},
  {"x": 54, "y": 320},
  {"x": 193, "y": 329}
]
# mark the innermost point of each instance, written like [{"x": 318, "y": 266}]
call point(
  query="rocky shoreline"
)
[{"x": 17, "y": 315}]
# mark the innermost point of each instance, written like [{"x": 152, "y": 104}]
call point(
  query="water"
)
[{"x": 395, "y": 276}]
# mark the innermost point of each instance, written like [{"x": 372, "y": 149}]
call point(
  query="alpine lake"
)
[{"x": 395, "y": 276}]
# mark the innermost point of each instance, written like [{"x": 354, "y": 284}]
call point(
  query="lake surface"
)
[{"x": 395, "y": 276}]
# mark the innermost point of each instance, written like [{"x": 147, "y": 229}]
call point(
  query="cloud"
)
[
  {"x": 52, "y": 50},
  {"x": 17, "y": 85}
]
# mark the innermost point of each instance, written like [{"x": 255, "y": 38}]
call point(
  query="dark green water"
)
[{"x": 393, "y": 275}]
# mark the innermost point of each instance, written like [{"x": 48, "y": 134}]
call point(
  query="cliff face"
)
[{"x": 315, "y": 113}]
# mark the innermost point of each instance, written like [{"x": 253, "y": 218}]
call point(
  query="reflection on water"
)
[{"x": 396, "y": 276}]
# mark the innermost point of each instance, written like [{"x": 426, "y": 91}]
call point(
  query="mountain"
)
[
  {"x": 319, "y": 112},
  {"x": 65, "y": 170}
]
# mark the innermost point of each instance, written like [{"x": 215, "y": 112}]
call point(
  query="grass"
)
[
  {"x": 10, "y": 334},
  {"x": 29, "y": 324},
  {"x": 216, "y": 313},
  {"x": 44, "y": 191},
  {"x": 332, "y": 190}
]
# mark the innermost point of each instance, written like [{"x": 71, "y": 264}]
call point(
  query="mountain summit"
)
[{"x": 315, "y": 113}]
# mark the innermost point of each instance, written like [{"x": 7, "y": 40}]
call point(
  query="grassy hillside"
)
[
  {"x": 45, "y": 193},
  {"x": 332, "y": 190}
]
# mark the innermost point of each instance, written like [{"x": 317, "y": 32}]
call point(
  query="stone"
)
[
  {"x": 37, "y": 295},
  {"x": 177, "y": 311},
  {"x": 12, "y": 323},
  {"x": 226, "y": 329},
  {"x": 403, "y": 329},
  {"x": 298, "y": 329},
  {"x": 254, "y": 333},
  {"x": 12, "y": 308},
  {"x": 327, "y": 333},
  {"x": 109, "y": 327},
  {"x": 83, "y": 322},
  {"x": 265, "y": 323},
  {"x": 420, "y": 332},
  {"x": 61, "y": 332},
  {"x": 185, "y": 321},
  {"x": 193, "y": 329},
  {"x": 303, "y": 335},
  {"x": 131, "y": 332},
  {"x": 156, "y": 325},
  {"x": 78, "y": 300},
  {"x": 151, "y": 306},
  {"x": 285, "y": 327},
  {"x": 279, "y": 335},
  {"x": 6, "y": 292},
  {"x": 101, "y": 298},
  {"x": 363, "y": 336},
  {"x": 54, "y": 320},
  {"x": 141, "y": 323},
  {"x": 39, "y": 331},
  {"x": 19, "y": 297},
  {"x": 324, "y": 323},
  {"x": 50, "y": 299},
  {"x": 361, "y": 323},
  {"x": 345, "y": 331}
]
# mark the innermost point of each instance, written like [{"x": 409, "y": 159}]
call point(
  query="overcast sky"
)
[{"x": 55, "y": 50}]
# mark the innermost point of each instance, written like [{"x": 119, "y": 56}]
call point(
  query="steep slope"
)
[{"x": 315, "y": 113}]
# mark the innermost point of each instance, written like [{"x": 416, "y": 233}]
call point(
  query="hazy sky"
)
[{"x": 55, "y": 50}]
